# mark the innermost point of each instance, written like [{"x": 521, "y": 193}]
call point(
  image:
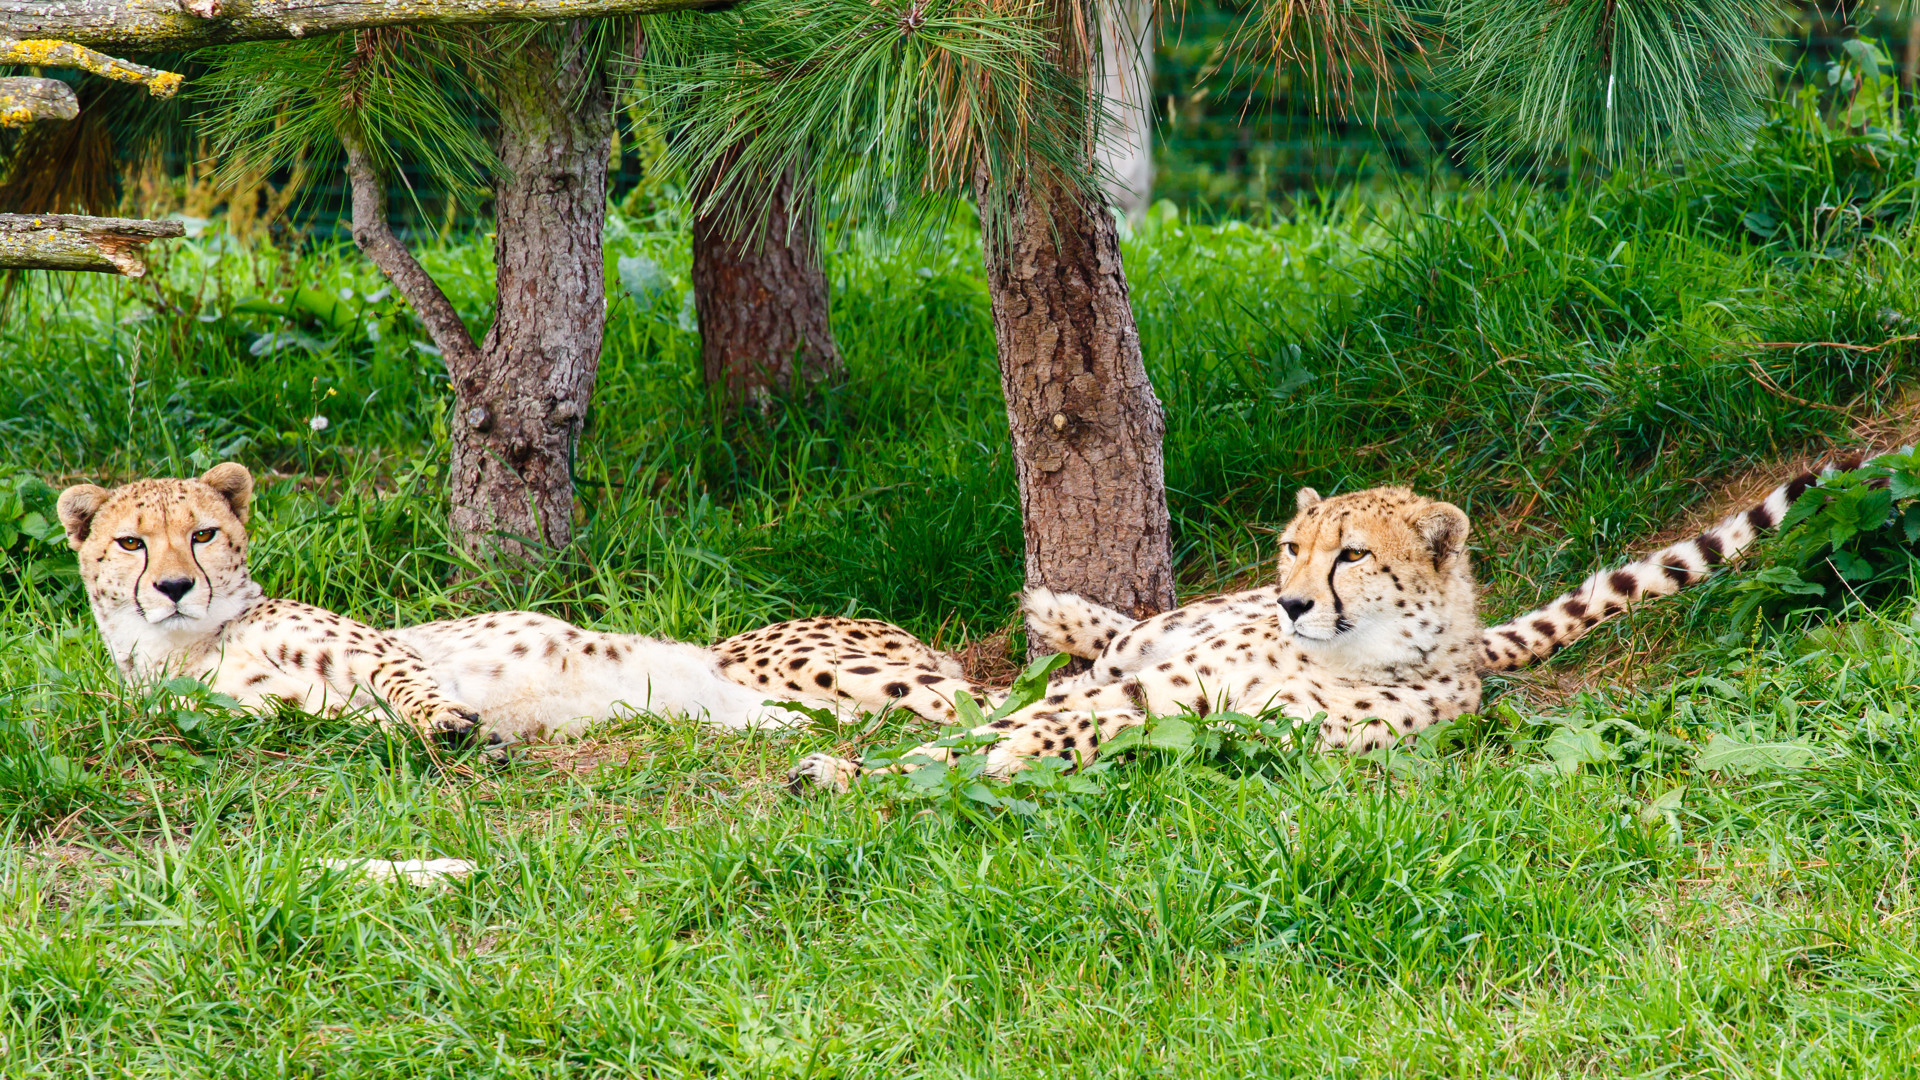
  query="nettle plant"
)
[
  {"x": 32, "y": 546},
  {"x": 1220, "y": 745},
  {"x": 1849, "y": 542}
]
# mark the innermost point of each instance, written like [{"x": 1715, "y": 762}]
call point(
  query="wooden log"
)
[
  {"x": 149, "y": 25},
  {"x": 26, "y": 101},
  {"x": 43, "y": 53},
  {"x": 71, "y": 242}
]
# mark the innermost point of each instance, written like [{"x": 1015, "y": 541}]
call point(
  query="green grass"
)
[{"x": 1567, "y": 367}]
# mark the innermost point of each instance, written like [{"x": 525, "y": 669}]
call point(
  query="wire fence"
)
[{"x": 1237, "y": 136}]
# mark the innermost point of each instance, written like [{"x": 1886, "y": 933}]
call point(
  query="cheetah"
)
[
  {"x": 164, "y": 562},
  {"x": 1371, "y": 625},
  {"x": 865, "y": 664}
]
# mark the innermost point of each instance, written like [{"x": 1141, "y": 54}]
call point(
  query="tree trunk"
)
[
  {"x": 1086, "y": 425},
  {"x": 761, "y": 294},
  {"x": 1125, "y": 78},
  {"x": 520, "y": 403}
]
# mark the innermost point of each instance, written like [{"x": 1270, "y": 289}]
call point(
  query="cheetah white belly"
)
[{"x": 532, "y": 676}]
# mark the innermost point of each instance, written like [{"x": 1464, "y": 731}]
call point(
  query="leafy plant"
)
[
  {"x": 1849, "y": 541},
  {"x": 961, "y": 784},
  {"x": 32, "y": 544}
]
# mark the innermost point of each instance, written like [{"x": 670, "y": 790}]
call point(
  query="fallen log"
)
[
  {"x": 26, "y": 101},
  {"x": 72, "y": 242},
  {"x": 148, "y": 25}
]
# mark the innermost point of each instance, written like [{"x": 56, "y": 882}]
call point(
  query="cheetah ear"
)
[
  {"x": 1444, "y": 527},
  {"x": 76, "y": 508},
  {"x": 1305, "y": 498},
  {"x": 234, "y": 483}
]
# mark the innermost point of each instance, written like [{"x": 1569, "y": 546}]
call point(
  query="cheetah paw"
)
[
  {"x": 821, "y": 771},
  {"x": 452, "y": 721}
]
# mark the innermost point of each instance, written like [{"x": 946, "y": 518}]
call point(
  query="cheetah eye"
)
[
  {"x": 204, "y": 536},
  {"x": 1353, "y": 554},
  {"x": 130, "y": 543},
  {"x": 1289, "y": 549}
]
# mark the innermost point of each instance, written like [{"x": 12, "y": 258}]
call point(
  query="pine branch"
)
[
  {"x": 156, "y": 25},
  {"x": 373, "y": 234}
]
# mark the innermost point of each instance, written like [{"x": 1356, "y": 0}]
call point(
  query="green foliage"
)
[
  {"x": 407, "y": 94},
  {"x": 962, "y": 784},
  {"x": 885, "y": 109},
  {"x": 1631, "y": 79},
  {"x": 33, "y": 548},
  {"x": 1851, "y": 541},
  {"x": 1837, "y": 164}
]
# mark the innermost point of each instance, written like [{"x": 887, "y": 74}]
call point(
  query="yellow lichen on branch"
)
[
  {"x": 70, "y": 242},
  {"x": 26, "y": 101},
  {"x": 65, "y": 54},
  {"x": 153, "y": 25}
]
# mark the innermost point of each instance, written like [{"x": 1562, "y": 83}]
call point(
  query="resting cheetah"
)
[
  {"x": 165, "y": 568},
  {"x": 1371, "y": 622}
]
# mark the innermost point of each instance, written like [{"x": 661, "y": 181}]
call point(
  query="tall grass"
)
[{"x": 1566, "y": 886}]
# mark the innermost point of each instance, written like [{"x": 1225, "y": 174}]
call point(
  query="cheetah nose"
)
[
  {"x": 1295, "y": 607},
  {"x": 174, "y": 588}
]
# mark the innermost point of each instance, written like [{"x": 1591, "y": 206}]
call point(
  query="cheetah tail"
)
[
  {"x": 1072, "y": 624},
  {"x": 1546, "y": 630}
]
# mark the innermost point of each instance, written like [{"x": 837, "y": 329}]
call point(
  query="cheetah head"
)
[
  {"x": 164, "y": 554},
  {"x": 1376, "y": 577}
]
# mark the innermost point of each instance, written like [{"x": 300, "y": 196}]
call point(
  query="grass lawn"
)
[{"x": 1611, "y": 882}]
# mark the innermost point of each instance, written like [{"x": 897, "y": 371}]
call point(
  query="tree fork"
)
[
  {"x": 1086, "y": 425},
  {"x": 519, "y": 412},
  {"x": 520, "y": 397}
]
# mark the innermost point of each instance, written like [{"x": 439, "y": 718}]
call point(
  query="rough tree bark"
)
[
  {"x": 519, "y": 412},
  {"x": 25, "y": 101},
  {"x": 761, "y": 294},
  {"x": 520, "y": 398},
  {"x": 1086, "y": 425},
  {"x": 71, "y": 242}
]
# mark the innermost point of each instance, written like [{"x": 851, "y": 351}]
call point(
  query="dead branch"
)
[
  {"x": 66, "y": 54},
  {"x": 145, "y": 25},
  {"x": 71, "y": 242},
  {"x": 26, "y": 101}
]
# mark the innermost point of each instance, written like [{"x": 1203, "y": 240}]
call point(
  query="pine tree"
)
[
  {"x": 521, "y": 390},
  {"x": 883, "y": 104}
]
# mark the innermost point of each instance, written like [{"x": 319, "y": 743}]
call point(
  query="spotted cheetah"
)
[
  {"x": 1371, "y": 621},
  {"x": 164, "y": 562},
  {"x": 865, "y": 664}
]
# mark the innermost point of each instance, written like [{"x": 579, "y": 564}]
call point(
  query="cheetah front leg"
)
[
  {"x": 403, "y": 682},
  {"x": 322, "y": 661},
  {"x": 397, "y": 675}
]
